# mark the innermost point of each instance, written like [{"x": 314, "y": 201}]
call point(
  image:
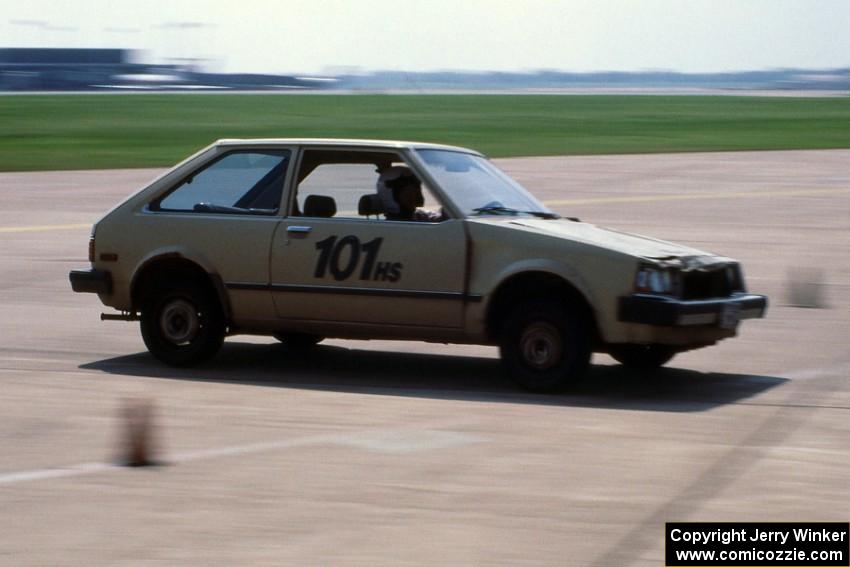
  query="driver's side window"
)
[{"x": 344, "y": 184}]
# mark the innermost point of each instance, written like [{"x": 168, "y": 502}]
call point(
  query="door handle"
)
[{"x": 299, "y": 229}]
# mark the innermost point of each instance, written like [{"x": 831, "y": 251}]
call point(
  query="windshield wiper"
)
[{"x": 509, "y": 211}]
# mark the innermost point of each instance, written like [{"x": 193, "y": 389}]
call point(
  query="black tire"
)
[
  {"x": 182, "y": 324},
  {"x": 299, "y": 340},
  {"x": 545, "y": 345},
  {"x": 642, "y": 357}
]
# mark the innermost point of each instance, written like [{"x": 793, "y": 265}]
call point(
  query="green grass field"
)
[{"x": 109, "y": 131}]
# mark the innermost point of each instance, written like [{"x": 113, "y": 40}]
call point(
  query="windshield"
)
[{"x": 478, "y": 187}]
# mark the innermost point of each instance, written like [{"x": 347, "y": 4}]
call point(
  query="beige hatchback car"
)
[{"x": 294, "y": 239}]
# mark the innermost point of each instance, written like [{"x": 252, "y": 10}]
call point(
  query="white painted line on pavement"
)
[
  {"x": 42, "y": 474},
  {"x": 360, "y": 438},
  {"x": 406, "y": 441}
]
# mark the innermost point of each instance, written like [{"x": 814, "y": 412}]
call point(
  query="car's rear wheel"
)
[
  {"x": 642, "y": 357},
  {"x": 182, "y": 323},
  {"x": 299, "y": 340},
  {"x": 545, "y": 345}
]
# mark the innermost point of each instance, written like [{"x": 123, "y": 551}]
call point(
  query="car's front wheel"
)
[
  {"x": 182, "y": 323},
  {"x": 642, "y": 357},
  {"x": 545, "y": 345}
]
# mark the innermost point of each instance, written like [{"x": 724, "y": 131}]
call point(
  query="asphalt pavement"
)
[{"x": 390, "y": 453}]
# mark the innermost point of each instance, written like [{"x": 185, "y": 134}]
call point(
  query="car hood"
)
[{"x": 624, "y": 242}]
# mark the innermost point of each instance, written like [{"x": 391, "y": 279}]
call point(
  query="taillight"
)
[{"x": 91, "y": 249}]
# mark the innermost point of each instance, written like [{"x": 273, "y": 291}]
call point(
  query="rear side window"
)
[{"x": 243, "y": 182}]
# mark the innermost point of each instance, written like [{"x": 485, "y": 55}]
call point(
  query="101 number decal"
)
[{"x": 342, "y": 258}]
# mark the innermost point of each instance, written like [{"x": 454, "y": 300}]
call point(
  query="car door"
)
[{"x": 332, "y": 264}]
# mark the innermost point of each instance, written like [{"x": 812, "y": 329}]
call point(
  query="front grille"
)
[{"x": 722, "y": 281}]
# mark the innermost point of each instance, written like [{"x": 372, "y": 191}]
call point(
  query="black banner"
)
[{"x": 757, "y": 544}]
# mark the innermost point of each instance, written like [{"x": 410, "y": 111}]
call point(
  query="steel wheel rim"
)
[
  {"x": 541, "y": 345},
  {"x": 179, "y": 322}
]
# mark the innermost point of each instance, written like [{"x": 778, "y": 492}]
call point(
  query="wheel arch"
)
[
  {"x": 174, "y": 266},
  {"x": 537, "y": 284}
]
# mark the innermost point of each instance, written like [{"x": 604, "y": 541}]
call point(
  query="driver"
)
[{"x": 400, "y": 192}]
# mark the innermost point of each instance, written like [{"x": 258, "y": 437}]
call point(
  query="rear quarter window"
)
[{"x": 238, "y": 182}]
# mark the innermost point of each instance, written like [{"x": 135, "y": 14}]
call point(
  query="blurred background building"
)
[{"x": 60, "y": 69}]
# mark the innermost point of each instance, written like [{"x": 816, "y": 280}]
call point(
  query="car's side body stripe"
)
[{"x": 368, "y": 291}]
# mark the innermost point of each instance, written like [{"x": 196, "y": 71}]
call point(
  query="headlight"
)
[
  {"x": 735, "y": 277},
  {"x": 653, "y": 279}
]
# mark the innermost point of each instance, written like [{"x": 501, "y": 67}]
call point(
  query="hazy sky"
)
[{"x": 312, "y": 36}]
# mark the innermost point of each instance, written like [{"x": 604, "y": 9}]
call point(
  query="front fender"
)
[{"x": 562, "y": 270}]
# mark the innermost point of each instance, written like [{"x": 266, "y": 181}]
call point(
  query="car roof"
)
[{"x": 335, "y": 142}]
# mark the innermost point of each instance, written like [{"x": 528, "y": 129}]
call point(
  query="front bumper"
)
[
  {"x": 724, "y": 313},
  {"x": 91, "y": 281}
]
